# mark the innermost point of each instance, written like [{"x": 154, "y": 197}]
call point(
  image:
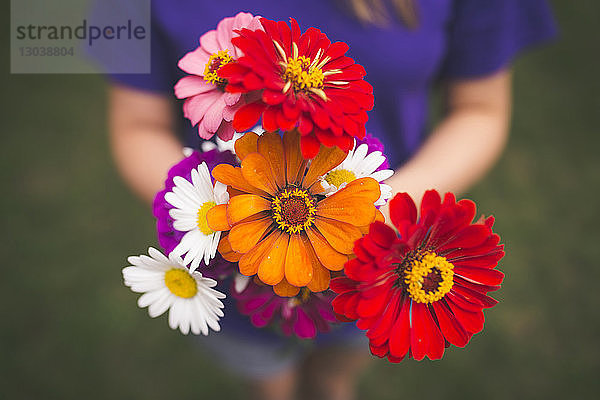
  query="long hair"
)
[{"x": 375, "y": 11}]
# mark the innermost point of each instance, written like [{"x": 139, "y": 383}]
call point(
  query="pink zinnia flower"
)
[
  {"x": 305, "y": 82},
  {"x": 303, "y": 315},
  {"x": 207, "y": 104}
]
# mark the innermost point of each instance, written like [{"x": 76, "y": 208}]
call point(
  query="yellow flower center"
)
[
  {"x": 302, "y": 74},
  {"x": 293, "y": 209},
  {"x": 181, "y": 283},
  {"x": 428, "y": 277},
  {"x": 339, "y": 176},
  {"x": 216, "y": 61},
  {"x": 202, "y": 221}
]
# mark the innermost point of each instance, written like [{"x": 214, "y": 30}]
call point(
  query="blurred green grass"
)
[{"x": 69, "y": 329}]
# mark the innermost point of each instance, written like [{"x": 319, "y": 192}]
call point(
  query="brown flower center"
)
[
  {"x": 425, "y": 276},
  {"x": 293, "y": 209}
]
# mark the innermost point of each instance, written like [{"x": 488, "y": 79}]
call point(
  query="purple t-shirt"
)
[{"x": 454, "y": 40}]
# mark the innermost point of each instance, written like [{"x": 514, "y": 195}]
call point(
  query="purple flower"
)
[
  {"x": 168, "y": 236},
  {"x": 303, "y": 315},
  {"x": 374, "y": 145}
]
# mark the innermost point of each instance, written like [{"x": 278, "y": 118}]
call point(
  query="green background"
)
[{"x": 70, "y": 329}]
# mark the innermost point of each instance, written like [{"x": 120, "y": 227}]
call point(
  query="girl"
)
[{"x": 406, "y": 47}]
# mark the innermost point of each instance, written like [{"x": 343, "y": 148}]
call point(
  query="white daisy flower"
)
[
  {"x": 168, "y": 285},
  {"x": 222, "y": 145},
  {"x": 240, "y": 282},
  {"x": 192, "y": 201},
  {"x": 188, "y": 151},
  {"x": 358, "y": 164}
]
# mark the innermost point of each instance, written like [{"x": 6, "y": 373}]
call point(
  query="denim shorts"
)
[{"x": 259, "y": 353}]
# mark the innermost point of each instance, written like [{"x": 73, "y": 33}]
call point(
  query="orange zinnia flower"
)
[{"x": 280, "y": 226}]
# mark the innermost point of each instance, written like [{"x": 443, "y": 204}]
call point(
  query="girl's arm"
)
[
  {"x": 143, "y": 140},
  {"x": 466, "y": 143}
]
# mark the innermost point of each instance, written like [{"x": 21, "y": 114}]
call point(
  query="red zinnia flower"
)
[
  {"x": 424, "y": 289},
  {"x": 306, "y": 81}
]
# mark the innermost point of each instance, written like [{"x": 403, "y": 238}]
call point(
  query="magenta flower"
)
[
  {"x": 168, "y": 236},
  {"x": 303, "y": 315},
  {"x": 374, "y": 145},
  {"x": 206, "y": 102}
]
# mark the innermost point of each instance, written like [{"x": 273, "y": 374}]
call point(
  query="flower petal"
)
[
  {"x": 208, "y": 41},
  {"x": 258, "y": 173},
  {"x": 213, "y": 116},
  {"x": 379, "y": 351},
  {"x": 484, "y": 276},
  {"x": 402, "y": 210},
  {"x": 340, "y": 235},
  {"x": 284, "y": 289},
  {"x": 231, "y": 99},
  {"x": 363, "y": 187},
  {"x": 217, "y": 218},
  {"x": 245, "y": 205},
  {"x": 471, "y": 297},
  {"x": 309, "y": 146},
  {"x": 430, "y": 206},
  {"x": 271, "y": 268},
  {"x": 194, "y": 62},
  {"x": 298, "y": 267},
  {"x": 189, "y": 86},
  {"x": 419, "y": 336},
  {"x": 382, "y": 234},
  {"x": 399, "y": 342},
  {"x": 489, "y": 260},
  {"x": 358, "y": 212},
  {"x": 232, "y": 176},
  {"x": 250, "y": 261},
  {"x": 225, "y": 131},
  {"x": 451, "y": 329},
  {"x": 247, "y": 116},
  {"x": 225, "y": 32},
  {"x": 321, "y": 275},
  {"x": 327, "y": 159},
  {"x": 245, "y": 145},
  {"x": 226, "y": 251},
  {"x": 245, "y": 235},
  {"x": 374, "y": 306},
  {"x": 194, "y": 108},
  {"x": 353, "y": 204},
  {"x": 436, "y": 347},
  {"x": 295, "y": 164},
  {"x": 304, "y": 327},
  {"x": 470, "y": 236},
  {"x": 327, "y": 255},
  {"x": 472, "y": 322},
  {"x": 380, "y": 331},
  {"x": 270, "y": 146}
]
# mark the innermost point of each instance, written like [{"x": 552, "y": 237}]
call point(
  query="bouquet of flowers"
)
[{"x": 290, "y": 216}]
